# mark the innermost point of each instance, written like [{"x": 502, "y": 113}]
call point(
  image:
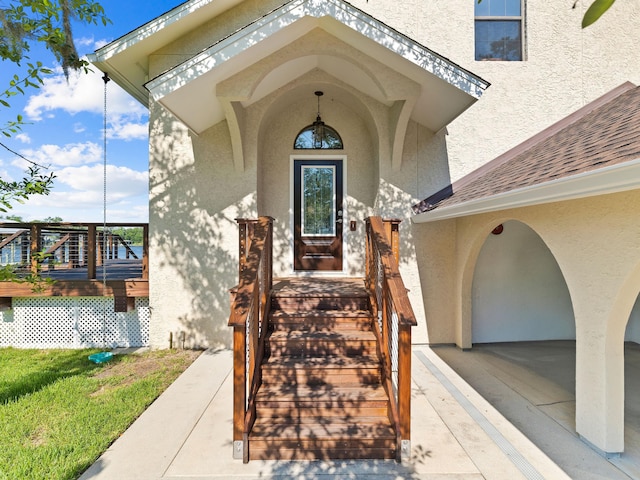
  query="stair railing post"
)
[
  {"x": 239, "y": 389},
  {"x": 392, "y": 229},
  {"x": 404, "y": 389}
]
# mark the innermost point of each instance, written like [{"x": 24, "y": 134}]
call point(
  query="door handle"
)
[{"x": 339, "y": 220}]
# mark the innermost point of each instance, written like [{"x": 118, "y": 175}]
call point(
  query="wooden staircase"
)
[{"x": 322, "y": 394}]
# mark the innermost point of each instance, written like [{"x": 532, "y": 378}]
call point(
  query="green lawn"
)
[{"x": 59, "y": 411}]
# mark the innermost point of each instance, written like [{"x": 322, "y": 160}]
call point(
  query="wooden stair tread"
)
[
  {"x": 321, "y": 362},
  {"x": 319, "y": 287},
  {"x": 322, "y": 420},
  {"x": 329, "y": 431},
  {"x": 279, "y": 393},
  {"x": 298, "y": 335},
  {"x": 314, "y": 314}
]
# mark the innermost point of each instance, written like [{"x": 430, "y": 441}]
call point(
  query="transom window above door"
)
[
  {"x": 499, "y": 30},
  {"x": 328, "y": 139}
]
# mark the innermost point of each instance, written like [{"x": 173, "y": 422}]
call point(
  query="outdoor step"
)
[
  {"x": 323, "y": 438},
  {"x": 324, "y": 395},
  {"x": 334, "y": 370},
  {"x": 340, "y": 342},
  {"x": 310, "y": 409},
  {"x": 319, "y": 302},
  {"x": 375, "y": 434},
  {"x": 321, "y": 320}
]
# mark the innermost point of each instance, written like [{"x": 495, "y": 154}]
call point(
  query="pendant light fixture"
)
[{"x": 318, "y": 125}]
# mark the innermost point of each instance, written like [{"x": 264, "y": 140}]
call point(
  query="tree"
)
[{"x": 24, "y": 24}]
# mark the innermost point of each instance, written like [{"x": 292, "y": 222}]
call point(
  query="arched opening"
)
[
  {"x": 632, "y": 385},
  {"x": 518, "y": 290}
]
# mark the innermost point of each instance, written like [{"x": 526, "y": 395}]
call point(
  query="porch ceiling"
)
[{"x": 189, "y": 90}]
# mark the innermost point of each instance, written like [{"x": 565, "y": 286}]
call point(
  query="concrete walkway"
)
[{"x": 456, "y": 434}]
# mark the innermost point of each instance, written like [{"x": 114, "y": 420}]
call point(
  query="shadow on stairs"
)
[{"x": 322, "y": 395}]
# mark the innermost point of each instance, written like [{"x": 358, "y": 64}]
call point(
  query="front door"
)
[{"x": 317, "y": 214}]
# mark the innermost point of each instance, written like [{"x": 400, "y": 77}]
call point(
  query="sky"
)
[{"x": 65, "y": 130}]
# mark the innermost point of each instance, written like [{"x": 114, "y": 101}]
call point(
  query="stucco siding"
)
[{"x": 195, "y": 197}]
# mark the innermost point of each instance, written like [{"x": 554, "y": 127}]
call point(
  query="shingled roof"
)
[{"x": 602, "y": 134}]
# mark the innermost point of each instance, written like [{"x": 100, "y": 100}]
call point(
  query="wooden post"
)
[
  {"x": 239, "y": 390},
  {"x": 243, "y": 248},
  {"x": 404, "y": 388},
  {"x": 145, "y": 251},
  {"x": 35, "y": 246},
  {"x": 91, "y": 252},
  {"x": 392, "y": 229}
]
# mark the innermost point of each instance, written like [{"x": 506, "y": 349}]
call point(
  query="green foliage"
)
[
  {"x": 595, "y": 11},
  {"x": 36, "y": 183},
  {"x": 24, "y": 23},
  {"x": 135, "y": 235},
  {"x": 38, "y": 283}
]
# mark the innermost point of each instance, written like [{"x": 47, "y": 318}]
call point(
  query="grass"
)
[{"x": 59, "y": 411}]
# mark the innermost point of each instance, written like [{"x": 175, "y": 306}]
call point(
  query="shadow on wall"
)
[
  {"x": 193, "y": 207},
  {"x": 393, "y": 203}
]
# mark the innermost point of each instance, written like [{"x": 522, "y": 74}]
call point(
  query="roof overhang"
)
[
  {"x": 189, "y": 89},
  {"x": 613, "y": 179},
  {"x": 126, "y": 59}
]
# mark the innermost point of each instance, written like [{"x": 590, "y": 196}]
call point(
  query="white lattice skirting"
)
[{"x": 73, "y": 322}]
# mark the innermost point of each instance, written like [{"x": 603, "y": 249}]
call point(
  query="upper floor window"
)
[{"x": 499, "y": 30}]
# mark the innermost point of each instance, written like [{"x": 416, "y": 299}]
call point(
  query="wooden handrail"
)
[
  {"x": 395, "y": 319},
  {"x": 78, "y": 240},
  {"x": 249, "y": 316}
]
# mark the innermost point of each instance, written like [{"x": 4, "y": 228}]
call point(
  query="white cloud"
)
[
  {"x": 78, "y": 127},
  {"x": 6, "y": 176},
  {"x": 23, "y": 137},
  {"x": 122, "y": 182},
  {"x": 127, "y": 131},
  {"x": 78, "y": 196},
  {"x": 82, "y": 93},
  {"x": 72, "y": 154},
  {"x": 84, "y": 42}
]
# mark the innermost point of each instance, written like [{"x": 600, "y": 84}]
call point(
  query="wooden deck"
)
[
  {"x": 81, "y": 258},
  {"x": 123, "y": 279}
]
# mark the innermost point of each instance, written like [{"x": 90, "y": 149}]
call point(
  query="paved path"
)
[{"x": 456, "y": 434}]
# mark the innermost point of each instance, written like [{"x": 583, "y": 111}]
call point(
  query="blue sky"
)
[{"x": 65, "y": 131}]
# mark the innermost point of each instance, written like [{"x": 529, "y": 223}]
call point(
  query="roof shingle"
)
[{"x": 603, "y": 133}]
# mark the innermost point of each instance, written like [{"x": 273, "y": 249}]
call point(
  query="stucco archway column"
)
[{"x": 599, "y": 379}]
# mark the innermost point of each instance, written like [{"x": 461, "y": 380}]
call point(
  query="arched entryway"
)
[{"x": 518, "y": 290}]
